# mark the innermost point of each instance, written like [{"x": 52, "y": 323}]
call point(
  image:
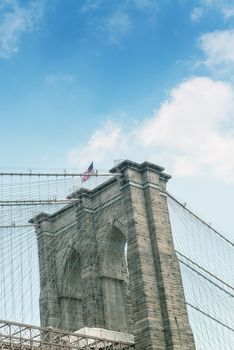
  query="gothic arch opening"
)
[
  {"x": 115, "y": 253},
  {"x": 115, "y": 282},
  {"x": 71, "y": 296}
]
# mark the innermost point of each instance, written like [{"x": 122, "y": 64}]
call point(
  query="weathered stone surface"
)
[{"x": 85, "y": 279}]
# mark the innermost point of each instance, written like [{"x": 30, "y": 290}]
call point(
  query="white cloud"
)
[
  {"x": 91, "y": 5},
  {"x": 223, "y": 7},
  {"x": 218, "y": 47},
  {"x": 190, "y": 134},
  {"x": 16, "y": 20},
  {"x": 189, "y": 128},
  {"x": 56, "y": 80},
  {"x": 196, "y": 14},
  {"x": 105, "y": 143},
  {"x": 144, "y": 4},
  {"x": 119, "y": 20},
  {"x": 209, "y": 2},
  {"x": 118, "y": 25},
  {"x": 228, "y": 12}
]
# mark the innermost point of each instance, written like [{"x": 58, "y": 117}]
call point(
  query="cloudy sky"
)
[{"x": 101, "y": 80}]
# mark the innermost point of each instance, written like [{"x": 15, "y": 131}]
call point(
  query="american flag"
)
[{"x": 88, "y": 172}]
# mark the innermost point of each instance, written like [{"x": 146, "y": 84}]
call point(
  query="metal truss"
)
[{"x": 15, "y": 336}]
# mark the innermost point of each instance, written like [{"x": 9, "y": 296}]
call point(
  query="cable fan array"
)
[
  {"x": 205, "y": 257},
  {"x": 21, "y": 198},
  {"x": 206, "y": 260}
]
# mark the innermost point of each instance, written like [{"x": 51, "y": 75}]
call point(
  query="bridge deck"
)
[{"x": 23, "y": 336}]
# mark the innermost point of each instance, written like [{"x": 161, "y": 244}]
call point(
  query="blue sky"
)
[{"x": 113, "y": 79}]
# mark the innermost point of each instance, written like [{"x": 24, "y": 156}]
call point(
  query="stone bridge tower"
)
[{"x": 85, "y": 277}]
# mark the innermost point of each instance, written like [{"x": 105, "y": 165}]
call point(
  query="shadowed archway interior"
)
[{"x": 71, "y": 297}]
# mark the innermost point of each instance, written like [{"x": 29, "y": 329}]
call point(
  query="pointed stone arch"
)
[
  {"x": 71, "y": 292},
  {"x": 117, "y": 223},
  {"x": 62, "y": 257},
  {"x": 115, "y": 279}
]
